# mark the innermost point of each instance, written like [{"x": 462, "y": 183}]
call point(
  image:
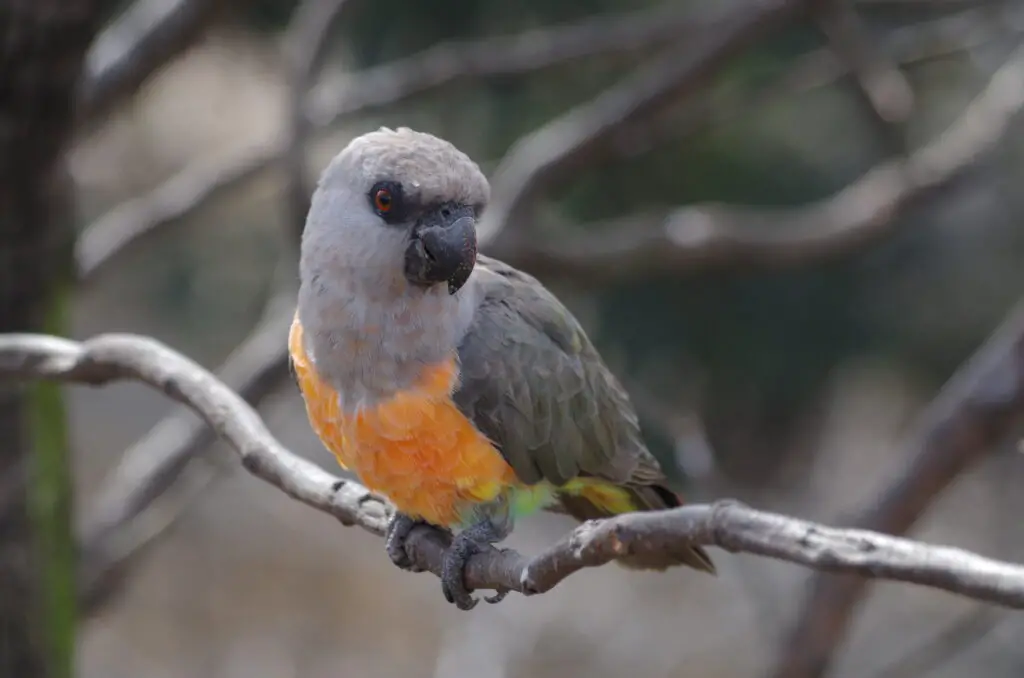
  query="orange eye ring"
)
[{"x": 382, "y": 200}]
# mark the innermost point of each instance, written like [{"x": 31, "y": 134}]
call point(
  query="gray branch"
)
[
  {"x": 546, "y": 156},
  {"x": 305, "y": 50},
  {"x": 132, "y": 509},
  {"x": 726, "y": 524},
  {"x": 143, "y": 38},
  {"x": 142, "y": 217},
  {"x": 138, "y": 219},
  {"x": 862, "y": 212},
  {"x": 975, "y": 411}
]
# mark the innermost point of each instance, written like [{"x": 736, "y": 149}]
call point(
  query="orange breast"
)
[{"x": 416, "y": 448}]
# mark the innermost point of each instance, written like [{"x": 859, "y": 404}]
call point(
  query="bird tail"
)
[{"x": 596, "y": 501}]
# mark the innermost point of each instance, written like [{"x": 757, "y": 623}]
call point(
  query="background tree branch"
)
[
  {"x": 305, "y": 50},
  {"x": 974, "y": 412},
  {"x": 133, "y": 222},
  {"x": 140, "y": 41},
  {"x": 547, "y": 155},
  {"x": 726, "y": 524},
  {"x": 862, "y": 212}
]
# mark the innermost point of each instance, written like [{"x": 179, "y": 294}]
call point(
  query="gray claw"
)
[
  {"x": 473, "y": 540},
  {"x": 453, "y": 583},
  {"x": 498, "y": 596},
  {"x": 399, "y": 528}
]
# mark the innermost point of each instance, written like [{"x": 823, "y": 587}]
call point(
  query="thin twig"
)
[
  {"x": 137, "y": 220},
  {"x": 305, "y": 49},
  {"x": 501, "y": 56},
  {"x": 143, "y": 38},
  {"x": 547, "y": 155},
  {"x": 962, "y": 634},
  {"x": 726, "y": 524},
  {"x": 153, "y": 465},
  {"x": 860, "y": 213},
  {"x": 973, "y": 413},
  {"x": 104, "y": 564},
  {"x": 144, "y": 216},
  {"x": 885, "y": 92}
]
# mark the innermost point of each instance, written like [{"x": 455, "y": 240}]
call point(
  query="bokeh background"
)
[{"x": 785, "y": 255}]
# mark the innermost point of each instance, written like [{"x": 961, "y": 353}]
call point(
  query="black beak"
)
[{"x": 442, "y": 248}]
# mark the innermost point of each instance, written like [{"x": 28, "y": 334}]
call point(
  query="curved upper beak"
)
[{"x": 442, "y": 248}]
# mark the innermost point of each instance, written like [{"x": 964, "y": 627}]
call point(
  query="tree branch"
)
[
  {"x": 305, "y": 50},
  {"x": 965, "y": 632},
  {"x": 883, "y": 90},
  {"x": 144, "y": 216},
  {"x": 137, "y": 220},
  {"x": 131, "y": 510},
  {"x": 860, "y": 213},
  {"x": 147, "y": 35},
  {"x": 727, "y": 524},
  {"x": 979, "y": 406},
  {"x": 140, "y": 218},
  {"x": 501, "y": 55},
  {"x": 547, "y": 155}
]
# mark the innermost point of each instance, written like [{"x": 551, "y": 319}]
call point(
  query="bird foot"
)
[
  {"x": 467, "y": 543},
  {"x": 399, "y": 528}
]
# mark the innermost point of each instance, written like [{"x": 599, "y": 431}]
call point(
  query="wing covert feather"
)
[{"x": 532, "y": 382}]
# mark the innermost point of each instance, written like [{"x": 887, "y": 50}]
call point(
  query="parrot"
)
[{"x": 452, "y": 384}]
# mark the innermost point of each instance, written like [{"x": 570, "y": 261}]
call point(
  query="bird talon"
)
[
  {"x": 498, "y": 596},
  {"x": 471, "y": 541},
  {"x": 399, "y": 528}
]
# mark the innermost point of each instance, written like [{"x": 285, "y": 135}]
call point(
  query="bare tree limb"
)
[
  {"x": 548, "y": 154},
  {"x": 860, "y": 213},
  {"x": 979, "y": 406},
  {"x": 145, "y": 216},
  {"x": 132, "y": 509},
  {"x": 886, "y": 94},
  {"x": 953, "y": 640},
  {"x": 147, "y": 35},
  {"x": 104, "y": 564},
  {"x": 138, "y": 219},
  {"x": 727, "y": 524},
  {"x": 496, "y": 56},
  {"x": 305, "y": 50},
  {"x": 376, "y": 87}
]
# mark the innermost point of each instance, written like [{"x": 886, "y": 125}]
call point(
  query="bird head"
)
[{"x": 397, "y": 207}]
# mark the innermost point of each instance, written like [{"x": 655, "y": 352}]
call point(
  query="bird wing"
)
[{"x": 532, "y": 382}]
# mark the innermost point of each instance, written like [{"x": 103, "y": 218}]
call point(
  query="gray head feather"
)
[{"x": 367, "y": 328}]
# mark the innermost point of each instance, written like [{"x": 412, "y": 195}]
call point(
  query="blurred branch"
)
[
  {"x": 726, "y": 524},
  {"x": 133, "y": 505},
  {"x": 140, "y": 218},
  {"x": 305, "y": 50},
  {"x": 860, "y": 213},
  {"x": 144, "y": 216},
  {"x": 143, "y": 38},
  {"x": 980, "y": 405},
  {"x": 962, "y": 634},
  {"x": 886, "y": 93},
  {"x": 497, "y": 56},
  {"x": 548, "y": 154}
]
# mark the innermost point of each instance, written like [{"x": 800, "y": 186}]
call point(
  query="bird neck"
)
[{"x": 373, "y": 340}]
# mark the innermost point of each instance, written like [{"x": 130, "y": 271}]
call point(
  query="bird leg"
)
[
  {"x": 474, "y": 539},
  {"x": 399, "y": 528}
]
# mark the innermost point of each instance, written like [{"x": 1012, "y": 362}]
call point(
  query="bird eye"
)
[{"x": 382, "y": 200}]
